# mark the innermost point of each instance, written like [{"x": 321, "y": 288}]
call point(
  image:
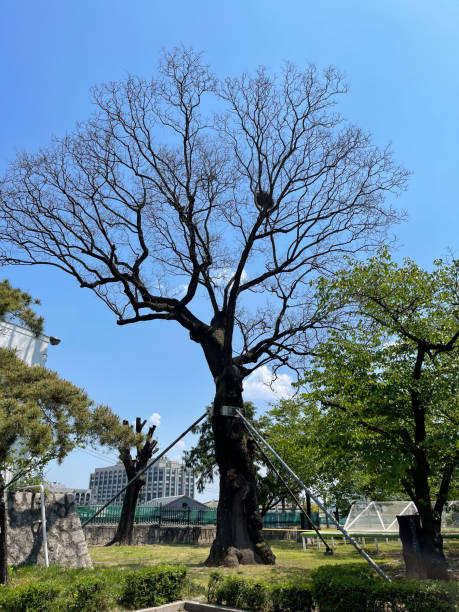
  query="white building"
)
[
  {"x": 82, "y": 497},
  {"x": 164, "y": 479},
  {"x": 29, "y": 348}
]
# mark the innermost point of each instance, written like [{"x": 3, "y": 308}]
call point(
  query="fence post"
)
[
  {"x": 189, "y": 512},
  {"x": 160, "y": 514}
]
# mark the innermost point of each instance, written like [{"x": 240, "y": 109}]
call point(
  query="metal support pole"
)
[
  {"x": 367, "y": 558},
  {"x": 43, "y": 524},
  {"x": 155, "y": 460},
  {"x": 328, "y": 550}
]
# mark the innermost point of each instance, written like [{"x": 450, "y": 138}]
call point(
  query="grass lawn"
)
[{"x": 291, "y": 562}]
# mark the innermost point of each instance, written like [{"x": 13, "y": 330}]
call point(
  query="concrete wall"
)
[
  {"x": 66, "y": 542},
  {"x": 99, "y": 535}
]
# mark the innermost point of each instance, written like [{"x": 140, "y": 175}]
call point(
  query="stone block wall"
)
[{"x": 66, "y": 542}]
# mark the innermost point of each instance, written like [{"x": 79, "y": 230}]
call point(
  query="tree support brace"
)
[
  {"x": 155, "y": 460},
  {"x": 328, "y": 550},
  {"x": 251, "y": 429}
]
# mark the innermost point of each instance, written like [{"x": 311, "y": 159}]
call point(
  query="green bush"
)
[
  {"x": 257, "y": 595},
  {"x": 289, "y": 597},
  {"x": 340, "y": 588},
  {"x": 89, "y": 594},
  {"x": 153, "y": 586},
  {"x": 216, "y": 581},
  {"x": 32, "y": 597}
]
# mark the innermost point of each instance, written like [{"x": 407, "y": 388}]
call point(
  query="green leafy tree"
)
[
  {"x": 42, "y": 417},
  {"x": 388, "y": 382},
  {"x": 300, "y": 433}
]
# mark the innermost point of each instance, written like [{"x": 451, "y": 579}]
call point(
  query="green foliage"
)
[
  {"x": 336, "y": 588},
  {"x": 216, "y": 581},
  {"x": 258, "y": 595},
  {"x": 42, "y": 415},
  {"x": 340, "y": 588},
  {"x": 29, "y": 597},
  {"x": 299, "y": 434},
  {"x": 153, "y": 586},
  {"x": 81, "y": 592},
  {"x": 385, "y": 385},
  {"x": 288, "y": 597},
  {"x": 15, "y": 306},
  {"x": 89, "y": 594}
]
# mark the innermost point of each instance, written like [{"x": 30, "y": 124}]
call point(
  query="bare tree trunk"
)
[
  {"x": 433, "y": 558},
  {"x": 3, "y": 534},
  {"x": 422, "y": 549},
  {"x": 125, "y": 527},
  {"x": 239, "y": 538},
  {"x": 132, "y": 466},
  {"x": 424, "y": 556}
]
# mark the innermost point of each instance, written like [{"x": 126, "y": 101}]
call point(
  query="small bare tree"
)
[
  {"x": 145, "y": 448},
  {"x": 232, "y": 194}
]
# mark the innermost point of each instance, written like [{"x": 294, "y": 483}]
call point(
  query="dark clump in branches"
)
[{"x": 160, "y": 206}]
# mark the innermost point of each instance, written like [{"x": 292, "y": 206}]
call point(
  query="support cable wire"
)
[
  {"x": 155, "y": 460},
  {"x": 251, "y": 429},
  {"x": 328, "y": 550}
]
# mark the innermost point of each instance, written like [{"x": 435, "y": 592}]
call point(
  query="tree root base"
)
[{"x": 233, "y": 557}]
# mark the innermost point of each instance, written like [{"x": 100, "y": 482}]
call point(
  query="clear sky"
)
[{"x": 401, "y": 60}]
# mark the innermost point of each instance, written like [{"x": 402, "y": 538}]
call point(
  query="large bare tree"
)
[{"x": 187, "y": 191}]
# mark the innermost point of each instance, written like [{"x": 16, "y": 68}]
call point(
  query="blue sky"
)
[{"x": 401, "y": 60}]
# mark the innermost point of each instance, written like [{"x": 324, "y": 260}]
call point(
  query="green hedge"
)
[
  {"x": 153, "y": 586},
  {"x": 87, "y": 594},
  {"x": 32, "y": 597},
  {"x": 257, "y": 595},
  {"x": 340, "y": 588}
]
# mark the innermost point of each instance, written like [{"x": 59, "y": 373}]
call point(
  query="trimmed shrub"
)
[
  {"x": 32, "y": 597},
  {"x": 340, "y": 588},
  {"x": 289, "y": 597},
  {"x": 216, "y": 581},
  {"x": 257, "y": 595},
  {"x": 417, "y": 596},
  {"x": 153, "y": 586},
  {"x": 90, "y": 594}
]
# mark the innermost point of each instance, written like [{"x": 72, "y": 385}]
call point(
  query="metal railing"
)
[
  {"x": 157, "y": 515},
  {"x": 154, "y": 515}
]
